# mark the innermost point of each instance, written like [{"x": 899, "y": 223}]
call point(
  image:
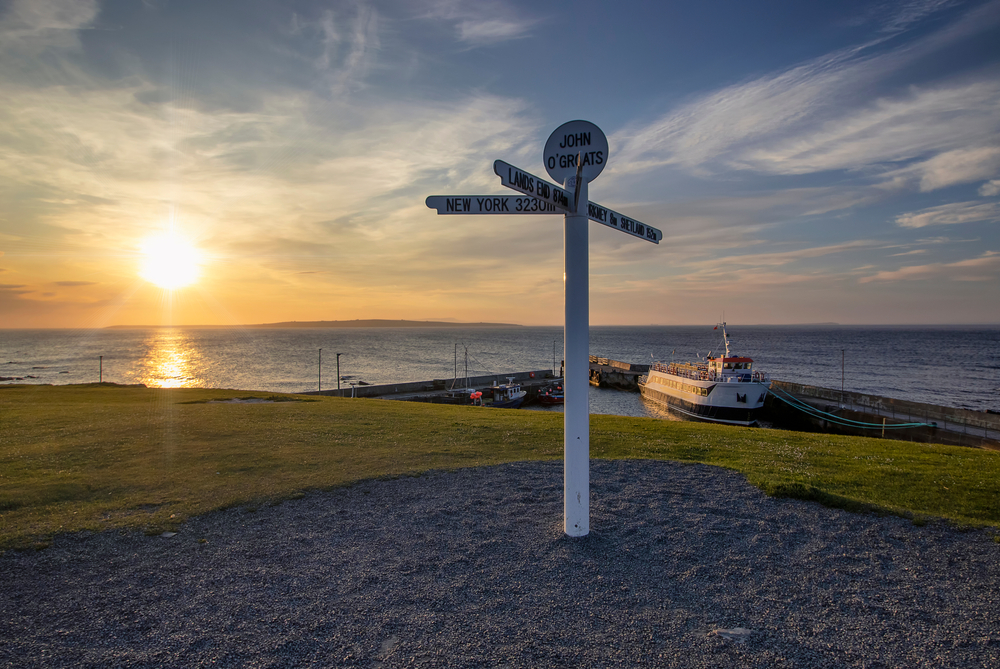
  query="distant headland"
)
[
  {"x": 359, "y": 323},
  {"x": 381, "y": 323}
]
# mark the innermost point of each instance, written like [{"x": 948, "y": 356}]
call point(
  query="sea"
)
[{"x": 956, "y": 366}]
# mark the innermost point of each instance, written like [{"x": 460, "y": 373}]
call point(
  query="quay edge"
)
[
  {"x": 424, "y": 390},
  {"x": 959, "y": 427},
  {"x": 950, "y": 425}
]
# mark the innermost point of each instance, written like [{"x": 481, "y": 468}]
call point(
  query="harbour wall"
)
[
  {"x": 435, "y": 386},
  {"x": 608, "y": 373},
  {"x": 956, "y": 426}
]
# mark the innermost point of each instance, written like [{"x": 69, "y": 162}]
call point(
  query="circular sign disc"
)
[{"x": 573, "y": 141}]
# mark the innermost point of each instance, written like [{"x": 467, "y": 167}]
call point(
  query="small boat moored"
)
[
  {"x": 552, "y": 394},
  {"x": 725, "y": 389},
  {"x": 508, "y": 395}
]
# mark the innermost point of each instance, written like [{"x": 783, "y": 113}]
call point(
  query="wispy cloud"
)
[
  {"x": 899, "y": 16},
  {"x": 300, "y": 165},
  {"x": 491, "y": 30},
  {"x": 26, "y": 18},
  {"x": 990, "y": 188},
  {"x": 479, "y": 24},
  {"x": 819, "y": 116},
  {"x": 348, "y": 192},
  {"x": 34, "y": 35},
  {"x": 983, "y": 268},
  {"x": 775, "y": 259},
  {"x": 919, "y": 122},
  {"x": 966, "y": 165},
  {"x": 951, "y": 214},
  {"x": 348, "y": 46}
]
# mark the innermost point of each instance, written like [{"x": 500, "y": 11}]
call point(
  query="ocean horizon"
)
[
  {"x": 955, "y": 365},
  {"x": 403, "y": 323}
]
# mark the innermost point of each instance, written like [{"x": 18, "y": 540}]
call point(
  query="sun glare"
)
[{"x": 169, "y": 261}]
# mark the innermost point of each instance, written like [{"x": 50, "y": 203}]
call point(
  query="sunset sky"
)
[{"x": 807, "y": 162}]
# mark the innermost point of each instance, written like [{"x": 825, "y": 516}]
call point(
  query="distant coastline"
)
[
  {"x": 385, "y": 323},
  {"x": 359, "y": 323}
]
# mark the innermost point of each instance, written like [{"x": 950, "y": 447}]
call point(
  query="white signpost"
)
[{"x": 574, "y": 155}]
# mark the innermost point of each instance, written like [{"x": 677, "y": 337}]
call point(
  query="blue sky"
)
[{"x": 806, "y": 162}]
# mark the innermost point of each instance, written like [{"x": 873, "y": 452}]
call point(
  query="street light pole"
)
[
  {"x": 319, "y": 381},
  {"x": 338, "y": 371}
]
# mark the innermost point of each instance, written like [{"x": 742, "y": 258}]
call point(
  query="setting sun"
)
[{"x": 169, "y": 261}]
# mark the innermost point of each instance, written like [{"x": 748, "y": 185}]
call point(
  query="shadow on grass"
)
[{"x": 812, "y": 494}]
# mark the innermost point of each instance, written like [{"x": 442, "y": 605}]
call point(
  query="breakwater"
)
[
  {"x": 842, "y": 411},
  {"x": 608, "y": 373},
  {"x": 428, "y": 390},
  {"x": 846, "y": 412}
]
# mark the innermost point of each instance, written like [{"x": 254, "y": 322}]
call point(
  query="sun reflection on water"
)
[{"x": 170, "y": 361}]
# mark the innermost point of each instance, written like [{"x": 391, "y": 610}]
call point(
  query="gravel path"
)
[{"x": 686, "y": 566}]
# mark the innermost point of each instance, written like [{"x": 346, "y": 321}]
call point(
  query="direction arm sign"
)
[
  {"x": 613, "y": 219},
  {"x": 542, "y": 198},
  {"x": 490, "y": 204},
  {"x": 523, "y": 182}
]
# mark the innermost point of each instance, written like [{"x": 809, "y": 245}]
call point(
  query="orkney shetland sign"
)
[
  {"x": 573, "y": 144},
  {"x": 613, "y": 219},
  {"x": 490, "y": 204}
]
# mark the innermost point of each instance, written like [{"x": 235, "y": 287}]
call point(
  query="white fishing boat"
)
[
  {"x": 724, "y": 389},
  {"x": 508, "y": 395}
]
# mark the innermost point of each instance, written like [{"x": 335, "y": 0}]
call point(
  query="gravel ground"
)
[{"x": 686, "y": 565}]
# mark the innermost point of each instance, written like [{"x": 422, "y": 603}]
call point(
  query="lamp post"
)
[
  {"x": 319, "y": 381},
  {"x": 338, "y": 371}
]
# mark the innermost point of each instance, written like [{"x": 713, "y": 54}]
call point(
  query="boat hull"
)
[
  {"x": 514, "y": 403},
  {"x": 727, "y": 403}
]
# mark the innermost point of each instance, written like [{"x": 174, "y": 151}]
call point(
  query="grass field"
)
[{"x": 94, "y": 457}]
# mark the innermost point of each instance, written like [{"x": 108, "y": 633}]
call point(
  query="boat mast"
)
[{"x": 725, "y": 338}]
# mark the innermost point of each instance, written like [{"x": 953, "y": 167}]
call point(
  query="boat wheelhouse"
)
[
  {"x": 508, "y": 395},
  {"x": 724, "y": 389}
]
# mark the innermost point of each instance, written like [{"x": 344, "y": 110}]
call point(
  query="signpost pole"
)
[{"x": 576, "y": 352}]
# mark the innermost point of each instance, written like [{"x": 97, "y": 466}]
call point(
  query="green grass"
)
[{"x": 94, "y": 457}]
